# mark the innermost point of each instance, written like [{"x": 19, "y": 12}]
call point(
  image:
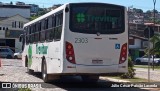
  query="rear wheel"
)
[
  {"x": 87, "y": 78},
  {"x": 138, "y": 62},
  {"x": 9, "y": 56},
  {"x": 44, "y": 71},
  {"x": 15, "y": 57},
  {"x": 29, "y": 71}
]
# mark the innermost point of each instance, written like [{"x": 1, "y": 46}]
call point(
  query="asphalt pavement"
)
[
  {"x": 12, "y": 72},
  {"x": 143, "y": 73}
]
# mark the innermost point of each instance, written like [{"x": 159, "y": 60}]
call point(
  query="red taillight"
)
[
  {"x": 70, "y": 53},
  {"x": 123, "y": 55}
]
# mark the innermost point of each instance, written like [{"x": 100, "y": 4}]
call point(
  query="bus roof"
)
[{"x": 45, "y": 15}]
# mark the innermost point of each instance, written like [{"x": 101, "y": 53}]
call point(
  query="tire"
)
[
  {"x": 90, "y": 79},
  {"x": 29, "y": 71},
  {"x": 15, "y": 57},
  {"x": 44, "y": 71},
  {"x": 158, "y": 64},
  {"x": 9, "y": 56},
  {"x": 138, "y": 62}
]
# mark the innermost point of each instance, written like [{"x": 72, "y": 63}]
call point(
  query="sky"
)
[{"x": 141, "y": 4}]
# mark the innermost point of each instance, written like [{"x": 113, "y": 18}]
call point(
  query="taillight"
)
[
  {"x": 123, "y": 55},
  {"x": 70, "y": 53}
]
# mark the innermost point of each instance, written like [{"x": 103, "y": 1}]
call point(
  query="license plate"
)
[{"x": 97, "y": 61}]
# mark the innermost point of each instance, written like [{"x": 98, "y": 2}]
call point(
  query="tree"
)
[
  {"x": 11, "y": 3},
  {"x": 131, "y": 71},
  {"x": 155, "y": 50},
  {"x": 34, "y": 17},
  {"x": 149, "y": 12},
  {"x": 138, "y": 10},
  {"x": 155, "y": 40},
  {"x": 156, "y": 11}
]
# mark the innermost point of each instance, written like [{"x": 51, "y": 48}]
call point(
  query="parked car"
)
[
  {"x": 18, "y": 55},
  {"x": 144, "y": 60},
  {"x": 6, "y": 52}
]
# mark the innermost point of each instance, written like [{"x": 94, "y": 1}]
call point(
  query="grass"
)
[
  {"x": 146, "y": 66},
  {"x": 24, "y": 89},
  {"x": 135, "y": 79}
]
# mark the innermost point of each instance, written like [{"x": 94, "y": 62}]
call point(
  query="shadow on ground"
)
[{"x": 75, "y": 83}]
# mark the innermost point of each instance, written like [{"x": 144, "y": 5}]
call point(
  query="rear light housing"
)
[
  {"x": 70, "y": 53},
  {"x": 123, "y": 55}
]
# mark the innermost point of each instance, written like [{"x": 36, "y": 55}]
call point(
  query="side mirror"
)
[{"x": 21, "y": 37}]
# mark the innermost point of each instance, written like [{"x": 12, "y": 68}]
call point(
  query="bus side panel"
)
[
  {"x": 124, "y": 66},
  {"x": 25, "y": 51},
  {"x": 54, "y": 59},
  {"x": 67, "y": 67}
]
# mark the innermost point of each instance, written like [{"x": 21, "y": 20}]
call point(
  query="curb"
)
[
  {"x": 118, "y": 80},
  {"x": 0, "y": 62},
  {"x": 112, "y": 79}
]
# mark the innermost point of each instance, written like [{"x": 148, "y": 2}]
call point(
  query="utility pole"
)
[
  {"x": 154, "y": 3},
  {"x": 149, "y": 56}
]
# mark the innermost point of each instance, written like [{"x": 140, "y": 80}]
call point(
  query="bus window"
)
[
  {"x": 92, "y": 19},
  {"x": 36, "y": 33},
  {"x": 58, "y": 29},
  {"x": 33, "y": 33},
  {"x": 42, "y": 35},
  {"x": 39, "y": 31},
  {"x": 46, "y": 24},
  {"x": 53, "y": 20},
  {"x": 50, "y": 22}
]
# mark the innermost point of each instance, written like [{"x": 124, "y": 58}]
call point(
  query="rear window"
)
[
  {"x": 3, "y": 50},
  {"x": 96, "y": 18}
]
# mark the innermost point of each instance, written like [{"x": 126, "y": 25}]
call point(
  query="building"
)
[
  {"x": 20, "y": 3},
  {"x": 10, "y": 30},
  {"x": 12, "y": 19},
  {"x": 137, "y": 46},
  {"x": 34, "y": 9},
  {"x": 11, "y": 10},
  {"x": 137, "y": 42},
  {"x": 138, "y": 21}
]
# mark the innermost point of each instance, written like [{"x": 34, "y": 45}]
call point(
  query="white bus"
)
[{"x": 86, "y": 39}]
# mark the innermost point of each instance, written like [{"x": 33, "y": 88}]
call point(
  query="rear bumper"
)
[
  {"x": 95, "y": 70},
  {"x": 93, "y": 74},
  {"x": 99, "y": 69}
]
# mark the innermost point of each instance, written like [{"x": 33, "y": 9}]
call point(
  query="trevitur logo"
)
[{"x": 81, "y": 18}]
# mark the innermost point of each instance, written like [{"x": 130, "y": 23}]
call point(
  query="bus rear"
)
[{"x": 96, "y": 39}]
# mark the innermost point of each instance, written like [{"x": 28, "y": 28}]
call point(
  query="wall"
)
[
  {"x": 137, "y": 44},
  {"x": 8, "y": 22},
  {"x": 12, "y": 32},
  {"x": 2, "y": 33},
  {"x": 8, "y": 12},
  {"x": 18, "y": 45}
]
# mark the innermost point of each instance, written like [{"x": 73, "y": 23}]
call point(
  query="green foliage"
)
[
  {"x": 151, "y": 11},
  {"x": 33, "y": 17},
  {"x": 24, "y": 89},
  {"x": 131, "y": 71},
  {"x": 138, "y": 10},
  {"x": 41, "y": 12},
  {"x": 155, "y": 40},
  {"x": 157, "y": 21}
]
